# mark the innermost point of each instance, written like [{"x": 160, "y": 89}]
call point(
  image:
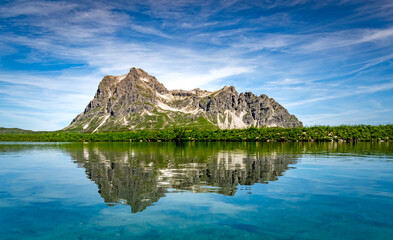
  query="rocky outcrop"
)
[{"x": 139, "y": 101}]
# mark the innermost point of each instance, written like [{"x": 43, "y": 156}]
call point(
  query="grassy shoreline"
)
[{"x": 301, "y": 134}]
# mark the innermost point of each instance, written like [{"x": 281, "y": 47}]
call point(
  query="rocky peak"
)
[
  {"x": 229, "y": 89},
  {"x": 191, "y": 93},
  {"x": 138, "y": 100}
]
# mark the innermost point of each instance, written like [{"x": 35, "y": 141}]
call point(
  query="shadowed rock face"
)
[
  {"x": 139, "y": 175},
  {"x": 139, "y": 101}
]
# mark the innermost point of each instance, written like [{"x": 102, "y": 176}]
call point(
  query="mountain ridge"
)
[{"x": 137, "y": 100}]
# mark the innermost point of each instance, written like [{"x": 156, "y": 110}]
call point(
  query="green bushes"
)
[{"x": 303, "y": 134}]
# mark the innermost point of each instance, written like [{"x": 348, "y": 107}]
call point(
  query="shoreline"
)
[{"x": 360, "y": 133}]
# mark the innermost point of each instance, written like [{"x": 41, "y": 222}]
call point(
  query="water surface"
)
[{"x": 196, "y": 190}]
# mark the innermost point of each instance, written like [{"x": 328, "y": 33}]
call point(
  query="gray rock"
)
[{"x": 139, "y": 101}]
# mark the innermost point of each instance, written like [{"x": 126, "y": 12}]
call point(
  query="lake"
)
[{"x": 196, "y": 190}]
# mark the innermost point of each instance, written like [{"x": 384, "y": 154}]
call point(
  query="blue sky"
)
[{"x": 327, "y": 62}]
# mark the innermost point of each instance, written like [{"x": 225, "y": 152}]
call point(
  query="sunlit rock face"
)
[
  {"x": 138, "y": 100},
  {"x": 139, "y": 175}
]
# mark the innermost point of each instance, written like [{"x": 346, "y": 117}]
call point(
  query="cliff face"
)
[{"x": 139, "y": 101}]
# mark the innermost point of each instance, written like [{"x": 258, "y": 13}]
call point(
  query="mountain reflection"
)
[{"x": 140, "y": 174}]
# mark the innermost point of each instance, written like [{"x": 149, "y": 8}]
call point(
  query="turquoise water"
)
[{"x": 196, "y": 191}]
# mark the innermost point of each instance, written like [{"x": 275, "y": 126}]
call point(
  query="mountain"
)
[
  {"x": 14, "y": 131},
  {"x": 138, "y": 100}
]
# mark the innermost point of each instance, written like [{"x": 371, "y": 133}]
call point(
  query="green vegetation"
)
[
  {"x": 154, "y": 120},
  {"x": 13, "y": 130},
  {"x": 264, "y": 134}
]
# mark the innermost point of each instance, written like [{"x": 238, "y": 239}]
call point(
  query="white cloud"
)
[
  {"x": 351, "y": 117},
  {"x": 345, "y": 93},
  {"x": 148, "y": 30},
  {"x": 35, "y": 8},
  {"x": 288, "y": 81},
  {"x": 191, "y": 80},
  {"x": 345, "y": 38}
]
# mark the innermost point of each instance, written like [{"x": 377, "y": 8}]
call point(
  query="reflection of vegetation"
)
[
  {"x": 364, "y": 148},
  {"x": 317, "y": 133},
  {"x": 139, "y": 174}
]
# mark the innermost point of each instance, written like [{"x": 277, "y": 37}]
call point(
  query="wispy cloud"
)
[
  {"x": 346, "y": 93},
  {"x": 190, "y": 81},
  {"x": 351, "y": 117},
  {"x": 345, "y": 38},
  {"x": 35, "y": 8},
  {"x": 282, "y": 48},
  {"x": 148, "y": 30}
]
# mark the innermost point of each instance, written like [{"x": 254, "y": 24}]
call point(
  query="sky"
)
[{"x": 327, "y": 62}]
